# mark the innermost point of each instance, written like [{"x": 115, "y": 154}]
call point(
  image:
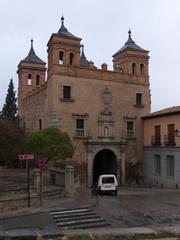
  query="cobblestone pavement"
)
[
  {"x": 134, "y": 210},
  {"x": 140, "y": 207}
]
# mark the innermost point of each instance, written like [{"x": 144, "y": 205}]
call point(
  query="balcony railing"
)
[
  {"x": 79, "y": 133},
  {"x": 156, "y": 141},
  {"x": 130, "y": 134},
  {"x": 169, "y": 140}
]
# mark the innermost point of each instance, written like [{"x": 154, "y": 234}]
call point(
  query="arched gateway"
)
[
  {"x": 106, "y": 158},
  {"x": 105, "y": 162}
]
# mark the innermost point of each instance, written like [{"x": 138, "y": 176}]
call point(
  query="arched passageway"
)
[{"x": 105, "y": 162}]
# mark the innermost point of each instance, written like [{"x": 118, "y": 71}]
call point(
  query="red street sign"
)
[
  {"x": 41, "y": 164},
  {"x": 26, "y": 156}
]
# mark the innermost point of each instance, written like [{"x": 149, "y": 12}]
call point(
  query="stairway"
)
[{"x": 78, "y": 218}]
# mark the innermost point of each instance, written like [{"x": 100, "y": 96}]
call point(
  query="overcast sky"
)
[{"x": 103, "y": 26}]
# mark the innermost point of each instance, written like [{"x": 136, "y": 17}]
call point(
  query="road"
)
[{"x": 140, "y": 209}]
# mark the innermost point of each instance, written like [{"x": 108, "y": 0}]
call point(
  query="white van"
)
[{"x": 107, "y": 183}]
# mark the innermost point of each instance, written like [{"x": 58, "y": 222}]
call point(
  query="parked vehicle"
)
[{"x": 107, "y": 183}]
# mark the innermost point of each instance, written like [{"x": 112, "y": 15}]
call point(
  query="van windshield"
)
[{"x": 108, "y": 180}]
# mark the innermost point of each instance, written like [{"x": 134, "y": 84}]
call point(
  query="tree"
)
[
  {"x": 12, "y": 136},
  {"x": 51, "y": 144},
  {"x": 12, "y": 139},
  {"x": 9, "y": 110}
]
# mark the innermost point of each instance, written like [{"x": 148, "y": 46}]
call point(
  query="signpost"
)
[
  {"x": 41, "y": 165},
  {"x": 27, "y": 157}
]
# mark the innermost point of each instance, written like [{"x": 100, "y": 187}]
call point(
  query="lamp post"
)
[{"x": 177, "y": 133}]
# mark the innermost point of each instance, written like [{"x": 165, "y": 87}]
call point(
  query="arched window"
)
[
  {"x": 37, "y": 79},
  {"x": 71, "y": 58},
  {"x": 142, "y": 69},
  {"x": 106, "y": 131},
  {"x": 29, "y": 80},
  {"x": 61, "y": 57},
  {"x": 133, "y": 68}
]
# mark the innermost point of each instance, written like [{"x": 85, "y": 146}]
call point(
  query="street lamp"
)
[{"x": 177, "y": 133}]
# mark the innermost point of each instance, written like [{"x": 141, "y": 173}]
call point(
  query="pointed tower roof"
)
[
  {"x": 130, "y": 44},
  {"x": 32, "y": 57},
  {"x": 63, "y": 30},
  {"x": 84, "y": 61}
]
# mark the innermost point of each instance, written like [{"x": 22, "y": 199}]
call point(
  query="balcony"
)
[
  {"x": 156, "y": 141},
  {"x": 79, "y": 133},
  {"x": 169, "y": 140},
  {"x": 130, "y": 134}
]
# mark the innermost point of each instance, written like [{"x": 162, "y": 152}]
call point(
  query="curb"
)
[{"x": 123, "y": 233}]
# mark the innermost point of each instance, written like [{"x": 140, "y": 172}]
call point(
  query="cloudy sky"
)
[{"x": 103, "y": 26}]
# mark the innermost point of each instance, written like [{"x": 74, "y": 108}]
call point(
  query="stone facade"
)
[{"x": 99, "y": 109}]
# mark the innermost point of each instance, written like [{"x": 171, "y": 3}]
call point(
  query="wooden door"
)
[
  {"x": 157, "y": 135},
  {"x": 171, "y": 136}
]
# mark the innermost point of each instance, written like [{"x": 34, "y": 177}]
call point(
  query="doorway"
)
[{"x": 105, "y": 162}]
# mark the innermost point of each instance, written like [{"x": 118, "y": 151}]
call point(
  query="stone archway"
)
[
  {"x": 105, "y": 162},
  {"x": 117, "y": 149}
]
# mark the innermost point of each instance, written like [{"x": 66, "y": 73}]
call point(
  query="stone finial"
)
[
  {"x": 62, "y": 19},
  {"x": 129, "y": 33}
]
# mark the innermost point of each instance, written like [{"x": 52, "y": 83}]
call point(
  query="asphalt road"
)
[{"x": 141, "y": 209}]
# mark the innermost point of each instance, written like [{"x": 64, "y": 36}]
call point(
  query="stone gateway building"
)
[{"x": 100, "y": 109}]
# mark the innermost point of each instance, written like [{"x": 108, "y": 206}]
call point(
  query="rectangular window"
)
[
  {"x": 171, "y": 134},
  {"x": 138, "y": 99},
  {"x": 130, "y": 129},
  {"x": 66, "y": 92},
  {"x": 170, "y": 166},
  {"x": 157, "y": 136},
  {"x": 79, "y": 127},
  {"x": 157, "y": 164}
]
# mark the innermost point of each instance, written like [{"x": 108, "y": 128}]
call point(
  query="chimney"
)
[{"x": 104, "y": 66}]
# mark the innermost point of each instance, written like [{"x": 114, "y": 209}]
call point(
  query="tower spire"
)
[
  {"x": 82, "y": 48},
  {"x": 63, "y": 30},
  {"x": 129, "y": 38},
  {"x": 84, "y": 61},
  {"x": 31, "y": 42},
  {"x": 32, "y": 57}
]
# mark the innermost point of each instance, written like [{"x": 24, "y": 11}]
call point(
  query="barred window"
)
[
  {"x": 170, "y": 166},
  {"x": 157, "y": 164},
  {"x": 80, "y": 127},
  {"x": 130, "y": 128}
]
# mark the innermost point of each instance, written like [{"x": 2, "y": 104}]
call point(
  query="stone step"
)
[
  {"x": 70, "y": 211},
  {"x": 80, "y": 221},
  {"x": 74, "y": 217},
  {"x": 88, "y": 225},
  {"x": 79, "y": 218}
]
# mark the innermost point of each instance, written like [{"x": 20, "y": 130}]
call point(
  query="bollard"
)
[
  {"x": 162, "y": 185},
  {"x": 176, "y": 186}
]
